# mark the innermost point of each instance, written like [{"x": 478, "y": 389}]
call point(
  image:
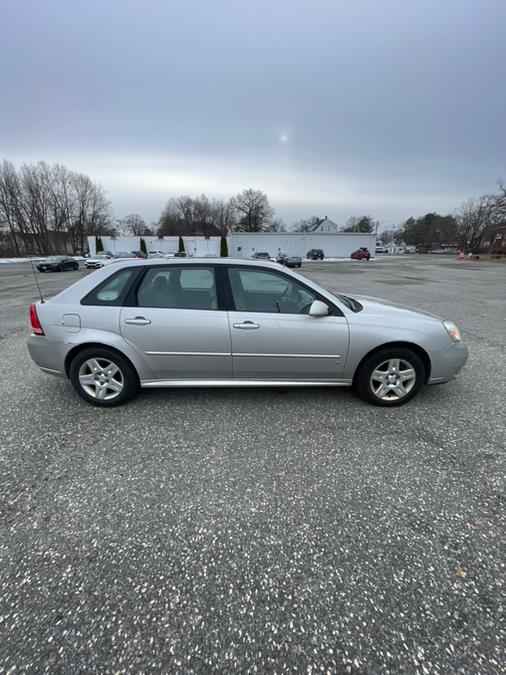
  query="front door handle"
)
[
  {"x": 138, "y": 321},
  {"x": 246, "y": 325}
]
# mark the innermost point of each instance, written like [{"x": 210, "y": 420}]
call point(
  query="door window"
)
[
  {"x": 265, "y": 291},
  {"x": 178, "y": 288}
]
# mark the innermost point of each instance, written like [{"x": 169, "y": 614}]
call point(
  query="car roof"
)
[{"x": 153, "y": 262}]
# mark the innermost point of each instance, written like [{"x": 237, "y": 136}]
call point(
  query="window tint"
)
[
  {"x": 263, "y": 291},
  {"x": 111, "y": 291},
  {"x": 178, "y": 288}
]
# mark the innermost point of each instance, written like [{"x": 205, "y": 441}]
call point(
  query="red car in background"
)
[{"x": 361, "y": 253}]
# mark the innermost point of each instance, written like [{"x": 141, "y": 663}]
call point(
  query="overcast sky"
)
[{"x": 388, "y": 107}]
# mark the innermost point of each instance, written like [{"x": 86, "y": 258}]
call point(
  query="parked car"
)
[
  {"x": 315, "y": 254},
  {"x": 361, "y": 253},
  {"x": 98, "y": 260},
  {"x": 234, "y": 322},
  {"x": 292, "y": 261},
  {"x": 123, "y": 254},
  {"x": 58, "y": 263},
  {"x": 180, "y": 254},
  {"x": 410, "y": 249},
  {"x": 140, "y": 254},
  {"x": 170, "y": 254},
  {"x": 381, "y": 249},
  {"x": 261, "y": 255},
  {"x": 280, "y": 258}
]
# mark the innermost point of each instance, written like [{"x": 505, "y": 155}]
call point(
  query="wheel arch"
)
[
  {"x": 405, "y": 345},
  {"x": 86, "y": 345}
]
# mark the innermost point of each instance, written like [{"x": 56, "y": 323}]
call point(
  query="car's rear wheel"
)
[
  {"x": 103, "y": 377},
  {"x": 390, "y": 376}
]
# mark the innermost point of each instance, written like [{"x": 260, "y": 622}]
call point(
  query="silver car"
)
[{"x": 183, "y": 323}]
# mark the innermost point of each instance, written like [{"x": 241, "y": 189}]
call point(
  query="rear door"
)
[
  {"x": 177, "y": 324},
  {"x": 273, "y": 336}
]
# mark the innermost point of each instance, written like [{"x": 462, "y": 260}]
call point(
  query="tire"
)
[
  {"x": 93, "y": 382},
  {"x": 391, "y": 386}
]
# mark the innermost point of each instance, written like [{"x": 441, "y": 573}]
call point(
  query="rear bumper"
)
[
  {"x": 46, "y": 355},
  {"x": 447, "y": 365}
]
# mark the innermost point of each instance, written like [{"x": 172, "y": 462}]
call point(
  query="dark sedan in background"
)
[
  {"x": 315, "y": 254},
  {"x": 58, "y": 263},
  {"x": 292, "y": 260}
]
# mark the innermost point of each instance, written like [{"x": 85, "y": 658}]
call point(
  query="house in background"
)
[{"x": 325, "y": 226}]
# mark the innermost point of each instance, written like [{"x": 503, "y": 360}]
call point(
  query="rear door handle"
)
[
  {"x": 246, "y": 325},
  {"x": 138, "y": 321}
]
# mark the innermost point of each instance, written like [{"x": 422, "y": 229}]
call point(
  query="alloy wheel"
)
[
  {"x": 392, "y": 380},
  {"x": 101, "y": 379}
]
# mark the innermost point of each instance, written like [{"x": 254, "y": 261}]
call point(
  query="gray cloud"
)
[{"x": 394, "y": 107}]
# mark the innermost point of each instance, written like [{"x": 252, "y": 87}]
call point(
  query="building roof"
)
[{"x": 325, "y": 225}]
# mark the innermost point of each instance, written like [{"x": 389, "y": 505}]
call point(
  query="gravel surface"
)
[{"x": 260, "y": 530}]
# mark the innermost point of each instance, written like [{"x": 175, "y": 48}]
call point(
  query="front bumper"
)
[{"x": 447, "y": 365}]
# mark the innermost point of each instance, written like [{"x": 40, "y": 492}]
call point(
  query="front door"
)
[
  {"x": 177, "y": 325},
  {"x": 274, "y": 337}
]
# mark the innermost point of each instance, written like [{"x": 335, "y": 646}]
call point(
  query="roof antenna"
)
[{"x": 36, "y": 280}]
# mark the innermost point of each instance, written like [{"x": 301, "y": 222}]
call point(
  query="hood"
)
[{"x": 405, "y": 311}]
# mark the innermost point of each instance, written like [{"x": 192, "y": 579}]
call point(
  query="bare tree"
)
[
  {"x": 306, "y": 224},
  {"x": 473, "y": 219},
  {"x": 11, "y": 213},
  {"x": 498, "y": 206},
  {"x": 46, "y": 208},
  {"x": 224, "y": 216},
  {"x": 134, "y": 224},
  {"x": 253, "y": 211},
  {"x": 196, "y": 215}
]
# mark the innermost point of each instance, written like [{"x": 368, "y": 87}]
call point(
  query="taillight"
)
[{"x": 34, "y": 320}]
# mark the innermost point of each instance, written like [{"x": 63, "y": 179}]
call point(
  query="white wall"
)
[
  {"x": 244, "y": 245},
  {"x": 193, "y": 245},
  {"x": 341, "y": 245}
]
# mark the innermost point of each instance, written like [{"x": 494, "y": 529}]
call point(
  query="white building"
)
[
  {"x": 246, "y": 244},
  {"x": 339, "y": 245}
]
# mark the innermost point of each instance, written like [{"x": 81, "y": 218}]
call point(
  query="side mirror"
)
[{"x": 318, "y": 308}]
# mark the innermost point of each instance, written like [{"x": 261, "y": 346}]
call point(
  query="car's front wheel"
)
[
  {"x": 390, "y": 376},
  {"x": 103, "y": 377}
]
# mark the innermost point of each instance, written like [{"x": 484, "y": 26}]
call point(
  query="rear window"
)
[
  {"x": 112, "y": 291},
  {"x": 178, "y": 288}
]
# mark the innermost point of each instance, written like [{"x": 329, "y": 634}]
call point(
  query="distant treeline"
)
[{"x": 49, "y": 209}]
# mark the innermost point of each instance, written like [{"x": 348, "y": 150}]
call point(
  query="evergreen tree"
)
[
  {"x": 181, "y": 244},
  {"x": 223, "y": 247},
  {"x": 99, "y": 247},
  {"x": 143, "y": 246}
]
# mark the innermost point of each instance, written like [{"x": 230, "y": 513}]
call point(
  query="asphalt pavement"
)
[{"x": 262, "y": 530}]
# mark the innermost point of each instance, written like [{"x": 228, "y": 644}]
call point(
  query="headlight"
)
[{"x": 452, "y": 330}]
